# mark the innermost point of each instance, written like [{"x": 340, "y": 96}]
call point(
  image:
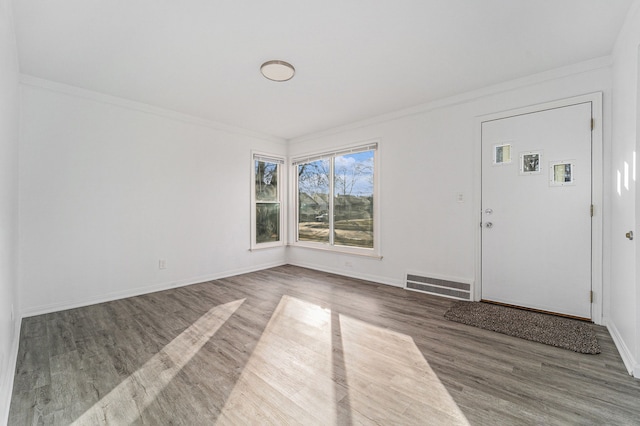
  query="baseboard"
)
[
  {"x": 7, "y": 386},
  {"x": 366, "y": 277},
  {"x": 628, "y": 359},
  {"x": 109, "y": 297}
]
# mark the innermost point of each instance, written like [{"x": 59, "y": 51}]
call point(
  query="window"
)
[
  {"x": 336, "y": 199},
  {"x": 266, "y": 192}
]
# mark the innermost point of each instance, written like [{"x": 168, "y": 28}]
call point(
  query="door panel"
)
[{"x": 536, "y": 235}]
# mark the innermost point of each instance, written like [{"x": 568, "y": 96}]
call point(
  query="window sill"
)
[
  {"x": 267, "y": 246},
  {"x": 339, "y": 250}
]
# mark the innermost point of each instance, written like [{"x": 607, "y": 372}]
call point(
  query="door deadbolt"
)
[{"x": 488, "y": 211}]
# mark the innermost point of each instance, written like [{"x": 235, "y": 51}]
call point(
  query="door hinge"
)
[
  {"x": 591, "y": 296},
  {"x": 591, "y": 210},
  {"x": 593, "y": 123}
]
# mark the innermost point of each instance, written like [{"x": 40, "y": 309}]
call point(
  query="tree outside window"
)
[
  {"x": 267, "y": 212},
  {"x": 336, "y": 200}
]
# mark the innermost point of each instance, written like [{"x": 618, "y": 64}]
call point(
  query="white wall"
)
[
  {"x": 8, "y": 204},
  {"x": 624, "y": 316},
  {"x": 428, "y": 156},
  {"x": 109, "y": 187}
]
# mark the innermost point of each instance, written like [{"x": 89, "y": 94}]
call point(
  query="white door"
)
[{"x": 536, "y": 210}]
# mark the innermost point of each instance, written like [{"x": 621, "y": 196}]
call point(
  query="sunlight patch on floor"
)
[
  {"x": 287, "y": 380},
  {"x": 390, "y": 382},
  {"x": 125, "y": 403},
  {"x": 312, "y": 366}
]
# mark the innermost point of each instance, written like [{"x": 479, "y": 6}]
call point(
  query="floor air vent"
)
[{"x": 438, "y": 287}]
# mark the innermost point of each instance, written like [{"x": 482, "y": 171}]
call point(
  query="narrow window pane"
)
[
  {"x": 313, "y": 201},
  {"x": 267, "y": 222},
  {"x": 266, "y": 181},
  {"x": 353, "y": 200}
]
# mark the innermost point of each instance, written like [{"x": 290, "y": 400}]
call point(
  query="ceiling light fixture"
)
[{"x": 277, "y": 70}]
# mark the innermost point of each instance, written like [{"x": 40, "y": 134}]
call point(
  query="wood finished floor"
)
[{"x": 294, "y": 346}]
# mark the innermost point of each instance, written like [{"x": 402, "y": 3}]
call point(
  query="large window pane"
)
[
  {"x": 266, "y": 181},
  {"x": 267, "y": 222},
  {"x": 353, "y": 200},
  {"x": 337, "y": 199},
  {"x": 313, "y": 201}
]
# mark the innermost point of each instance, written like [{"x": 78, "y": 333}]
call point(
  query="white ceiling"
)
[{"x": 354, "y": 59}]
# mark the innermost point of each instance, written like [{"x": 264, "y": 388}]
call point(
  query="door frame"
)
[{"x": 597, "y": 187}]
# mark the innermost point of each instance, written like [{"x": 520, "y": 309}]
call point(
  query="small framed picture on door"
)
[
  {"x": 530, "y": 162},
  {"x": 501, "y": 154},
  {"x": 562, "y": 173}
]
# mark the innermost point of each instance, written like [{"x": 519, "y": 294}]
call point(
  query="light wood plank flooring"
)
[{"x": 293, "y": 346}]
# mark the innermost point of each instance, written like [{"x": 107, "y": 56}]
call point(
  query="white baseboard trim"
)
[
  {"x": 366, "y": 277},
  {"x": 109, "y": 297},
  {"x": 7, "y": 385},
  {"x": 628, "y": 359}
]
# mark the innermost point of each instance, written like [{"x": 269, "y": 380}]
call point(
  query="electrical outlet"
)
[
  {"x": 460, "y": 197},
  {"x": 162, "y": 264}
]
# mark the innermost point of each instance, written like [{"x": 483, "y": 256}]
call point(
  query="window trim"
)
[
  {"x": 374, "y": 252},
  {"x": 281, "y": 161}
]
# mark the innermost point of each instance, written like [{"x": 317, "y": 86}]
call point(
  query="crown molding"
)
[
  {"x": 29, "y": 80},
  {"x": 628, "y": 26},
  {"x": 579, "y": 68}
]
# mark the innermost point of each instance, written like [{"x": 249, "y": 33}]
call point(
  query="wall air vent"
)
[{"x": 438, "y": 287}]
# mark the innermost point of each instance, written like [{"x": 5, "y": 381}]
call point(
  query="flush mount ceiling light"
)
[{"x": 278, "y": 70}]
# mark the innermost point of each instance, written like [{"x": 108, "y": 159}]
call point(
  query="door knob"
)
[
  {"x": 489, "y": 225},
  {"x": 629, "y": 235}
]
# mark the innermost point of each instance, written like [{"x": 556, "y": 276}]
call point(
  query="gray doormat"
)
[{"x": 566, "y": 333}]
